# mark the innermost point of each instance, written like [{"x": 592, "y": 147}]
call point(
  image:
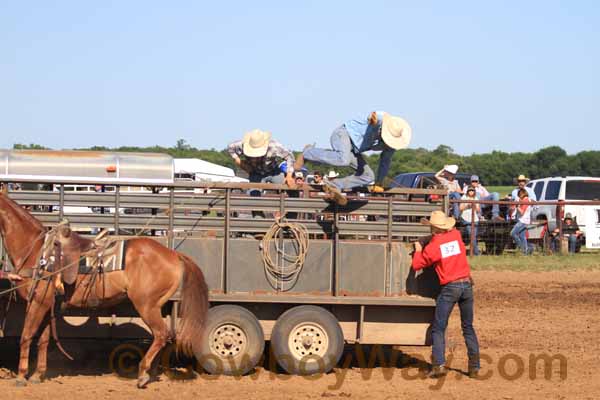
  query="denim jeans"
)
[
  {"x": 495, "y": 207},
  {"x": 452, "y": 293},
  {"x": 276, "y": 177},
  {"x": 455, "y": 206},
  {"x": 572, "y": 243},
  {"x": 343, "y": 154},
  {"x": 472, "y": 234},
  {"x": 518, "y": 233}
]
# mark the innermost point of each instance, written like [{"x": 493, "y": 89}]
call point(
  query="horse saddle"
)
[{"x": 106, "y": 252}]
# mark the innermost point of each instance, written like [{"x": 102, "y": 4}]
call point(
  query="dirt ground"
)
[{"x": 518, "y": 315}]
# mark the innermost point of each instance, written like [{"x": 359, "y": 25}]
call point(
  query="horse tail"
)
[{"x": 194, "y": 305}]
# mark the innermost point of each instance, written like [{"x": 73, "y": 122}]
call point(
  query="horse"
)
[{"x": 152, "y": 275}]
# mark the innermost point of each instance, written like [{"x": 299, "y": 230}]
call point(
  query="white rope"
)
[{"x": 292, "y": 264}]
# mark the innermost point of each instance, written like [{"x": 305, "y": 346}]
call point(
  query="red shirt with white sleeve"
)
[{"x": 446, "y": 252}]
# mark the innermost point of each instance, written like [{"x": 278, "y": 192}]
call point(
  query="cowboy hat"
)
[
  {"x": 569, "y": 216},
  {"x": 439, "y": 220},
  {"x": 255, "y": 143},
  {"x": 395, "y": 132},
  {"x": 453, "y": 169},
  {"x": 522, "y": 178},
  {"x": 332, "y": 174}
]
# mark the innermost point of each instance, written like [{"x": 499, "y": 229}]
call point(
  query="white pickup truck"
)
[{"x": 570, "y": 189}]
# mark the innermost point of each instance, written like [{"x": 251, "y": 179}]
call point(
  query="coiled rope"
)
[{"x": 286, "y": 274}]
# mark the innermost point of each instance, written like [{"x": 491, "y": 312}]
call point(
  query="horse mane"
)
[{"x": 24, "y": 214}]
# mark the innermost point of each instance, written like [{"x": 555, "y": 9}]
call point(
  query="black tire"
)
[
  {"x": 320, "y": 328},
  {"x": 232, "y": 342}
]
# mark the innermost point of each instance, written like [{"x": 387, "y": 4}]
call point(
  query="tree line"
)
[{"x": 495, "y": 168}]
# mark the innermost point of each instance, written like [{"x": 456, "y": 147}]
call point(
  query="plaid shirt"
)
[{"x": 269, "y": 163}]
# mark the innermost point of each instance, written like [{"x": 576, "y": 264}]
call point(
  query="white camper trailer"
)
[{"x": 194, "y": 169}]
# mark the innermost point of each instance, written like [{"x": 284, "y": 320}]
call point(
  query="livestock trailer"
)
[{"x": 353, "y": 283}]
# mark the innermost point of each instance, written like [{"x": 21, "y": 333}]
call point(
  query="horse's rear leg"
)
[
  {"x": 33, "y": 319},
  {"x": 153, "y": 318}
]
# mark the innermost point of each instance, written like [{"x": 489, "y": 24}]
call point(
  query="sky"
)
[{"x": 478, "y": 76}]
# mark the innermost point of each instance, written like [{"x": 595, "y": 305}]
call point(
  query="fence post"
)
[
  {"x": 559, "y": 224},
  {"x": 472, "y": 238}
]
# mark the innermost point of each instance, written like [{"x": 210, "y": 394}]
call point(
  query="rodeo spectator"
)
[
  {"x": 331, "y": 176},
  {"x": 299, "y": 177},
  {"x": 483, "y": 194},
  {"x": 570, "y": 231},
  {"x": 521, "y": 184},
  {"x": 467, "y": 213},
  {"x": 317, "y": 178},
  {"x": 519, "y": 231},
  {"x": 446, "y": 177},
  {"x": 446, "y": 253}
]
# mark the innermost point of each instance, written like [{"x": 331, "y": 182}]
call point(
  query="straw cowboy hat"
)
[
  {"x": 522, "y": 178},
  {"x": 332, "y": 174},
  {"x": 395, "y": 132},
  {"x": 255, "y": 143},
  {"x": 439, "y": 220},
  {"x": 453, "y": 169}
]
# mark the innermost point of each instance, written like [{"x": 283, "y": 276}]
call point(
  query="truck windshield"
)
[{"x": 583, "y": 190}]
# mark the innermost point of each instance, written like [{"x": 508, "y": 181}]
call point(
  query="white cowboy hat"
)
[
  {"x": 332, "y": 174},
  {"x": 255, "y": 143},
  {"x": 395, "y": 132},
  {"x": 453, "y": 169},
  {"x": 522, "y": 178},
  {"x": 439, "y": 220}
]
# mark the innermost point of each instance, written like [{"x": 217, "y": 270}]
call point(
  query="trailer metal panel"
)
[{"x": 357, "y": 266}]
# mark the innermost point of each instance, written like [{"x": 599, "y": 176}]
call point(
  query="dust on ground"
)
[{"x": 518, "y": 315}]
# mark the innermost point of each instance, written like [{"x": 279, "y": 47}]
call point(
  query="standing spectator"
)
[
  {"x": 447, "y": 254},
  {"x": 570, "y": 231},
  {"x": 299, "y": 178},
  {"x": 317, "y": 178},
  {"x": 521, "y": 184},
  {"x": 467, "y": 214},
  {"x": 483, "y": 194},
  {"x": 446, "y": 177},
  {"x": 519, "y": 231},
  {"x": 331, "y": 176}
]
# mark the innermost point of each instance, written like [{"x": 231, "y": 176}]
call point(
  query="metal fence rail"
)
[
  {"x": 546, "y": 232},
  {"x": 226, "y": 209}
]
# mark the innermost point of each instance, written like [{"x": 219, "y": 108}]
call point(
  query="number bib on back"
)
[{"x": 450, "y": 249}]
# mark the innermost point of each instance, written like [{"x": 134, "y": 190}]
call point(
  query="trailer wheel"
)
[
  {"x": 232, "y": 342},
  {"x": 307, "y": 340}
]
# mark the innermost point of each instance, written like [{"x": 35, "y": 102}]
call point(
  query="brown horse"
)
[{"x": 152, "y": 275}]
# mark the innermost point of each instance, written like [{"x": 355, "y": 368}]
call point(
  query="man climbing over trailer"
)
[
  {"x": 377, "y": 131},
  {"x": 260, "y": 156},
  {"x": 446, "y": 252}
]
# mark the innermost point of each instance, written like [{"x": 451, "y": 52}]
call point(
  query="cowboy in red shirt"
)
[{"x": 446, "y": 253}]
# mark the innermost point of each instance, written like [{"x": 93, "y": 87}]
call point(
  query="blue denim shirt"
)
[{"x": 367, "y": 137}]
